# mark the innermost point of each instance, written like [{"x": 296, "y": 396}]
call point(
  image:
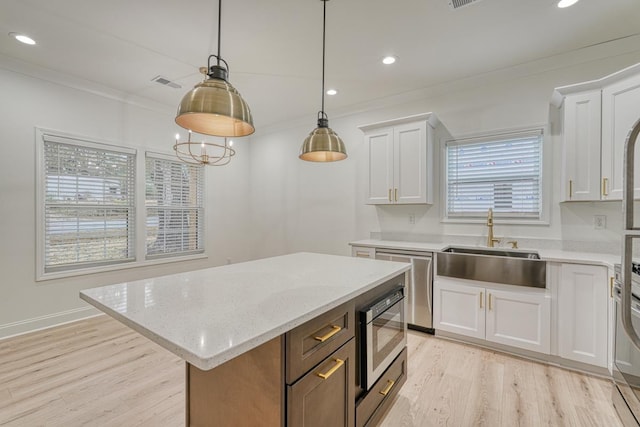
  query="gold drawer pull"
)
[
  {"x": 389, "y": 194},
  {"x": 339, "y": 362},
  {"x": 388, "y": 388},
  {"x": 489, "y": 302},
  {"x": 605, "y": 185},
  {"x": 481, "y": 298},
  {"x": 335, "y": 329},
  {"x": 396, "y": 194}
]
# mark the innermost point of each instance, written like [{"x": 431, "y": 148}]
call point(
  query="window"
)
[
  {"x": 90, "y": 211},
  {"x": 88, "y": 204},
  {"x": 502, "y": 172},
  {"x": 174, "y": 193}
]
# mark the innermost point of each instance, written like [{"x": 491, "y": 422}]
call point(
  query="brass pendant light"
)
[
  {"x": 214, "y": 107},
  {"x": 323, "y": 144}
]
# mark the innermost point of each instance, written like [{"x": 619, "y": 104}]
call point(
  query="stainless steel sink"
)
[{"x": 512, "y": 267}]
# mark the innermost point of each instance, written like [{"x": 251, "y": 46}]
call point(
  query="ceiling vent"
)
[
  {"x": 456, "y": 4},
  {"x": 166, "y": 82}
]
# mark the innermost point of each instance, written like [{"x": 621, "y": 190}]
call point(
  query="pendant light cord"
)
[
  {"x": 324, "y": 26},
  {"x": 219, "y": 25}
]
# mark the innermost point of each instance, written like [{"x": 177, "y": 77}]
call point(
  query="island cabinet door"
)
[{"x": 325, "y": 396}]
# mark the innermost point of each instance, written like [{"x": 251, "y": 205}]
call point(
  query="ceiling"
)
[{"x": 274, "y": 47}]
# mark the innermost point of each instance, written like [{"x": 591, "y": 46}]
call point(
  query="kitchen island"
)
[{"x": 251, "y": 333}]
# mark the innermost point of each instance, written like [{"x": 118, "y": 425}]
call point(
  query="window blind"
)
[
  {"x": 502, "y": 172},
  {"x": 88, "y": 205},
  {"x": 174, "y": 207}
]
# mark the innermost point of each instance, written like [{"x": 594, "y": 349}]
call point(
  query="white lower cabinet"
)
[
  {"x": 520, "y": 320},
  {"x": 516, "y": 318},
  {"x": 582, "y": 327},
  {"x": 458, "y": 308}
]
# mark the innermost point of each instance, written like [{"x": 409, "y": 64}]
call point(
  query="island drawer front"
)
[
  {"x": 310, "y": 343},
  {"x": 374, "y": 405}
]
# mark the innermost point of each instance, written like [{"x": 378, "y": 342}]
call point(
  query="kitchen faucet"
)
[{"x": 490, "y": 239}]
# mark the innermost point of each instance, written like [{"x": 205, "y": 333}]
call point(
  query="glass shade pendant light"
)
[
  {"x": 323, "y": 144},
  {"x": 214, "y": 107}
]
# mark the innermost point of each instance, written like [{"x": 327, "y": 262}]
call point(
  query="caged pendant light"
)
[
  {"x": 214, "y": 107},
  {"x": 323, "y": 144}
]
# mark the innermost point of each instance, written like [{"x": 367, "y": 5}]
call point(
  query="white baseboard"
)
[{"x": 9, "y": 330}]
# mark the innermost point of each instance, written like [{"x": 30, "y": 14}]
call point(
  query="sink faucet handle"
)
[
  {"x": 495, "y": 241},
  {"x": 513, "y": 243}
]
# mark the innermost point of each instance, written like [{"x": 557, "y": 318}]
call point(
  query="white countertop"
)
[
  {"x": 553, "y": 255},
  {"x": 210, "y": 316}
]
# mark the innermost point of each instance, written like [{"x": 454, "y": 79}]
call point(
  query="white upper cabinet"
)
[
  {"x": 597, "y": 117},
  {"x": 581, "y": 149},
  {"x": 620, "y": 111},
  {"x": 400, "y": 155}
]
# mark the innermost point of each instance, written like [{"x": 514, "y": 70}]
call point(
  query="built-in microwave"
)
[{"x": 383, "y": 335}]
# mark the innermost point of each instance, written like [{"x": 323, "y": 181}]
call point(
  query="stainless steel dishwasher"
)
[{"x": 419, "y": 286}]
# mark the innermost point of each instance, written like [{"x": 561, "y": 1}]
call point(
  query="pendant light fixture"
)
[
  {"x": 204, "y": 152},
  {"x": 214, "y": 107},
  {"x": 323, "y": 144}
]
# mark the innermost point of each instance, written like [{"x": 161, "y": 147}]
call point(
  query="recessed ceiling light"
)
[
  {"x": 566, "y": 3},
  {"x": 388, "y": 60},
  {"x": 332, "y": 92},
  {"x": 231, "y": 143},
  {"x": 23, "y": 39}
]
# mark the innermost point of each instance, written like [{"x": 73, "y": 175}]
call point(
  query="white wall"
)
[
  {"x": 28, "y": 102},
  {"x": 268, "y": 202},
  {"x": 321, "y": 207}
]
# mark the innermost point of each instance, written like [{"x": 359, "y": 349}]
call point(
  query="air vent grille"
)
[
  {"x": 166, "y": 82},
  {"x": 455, "y": 4}
]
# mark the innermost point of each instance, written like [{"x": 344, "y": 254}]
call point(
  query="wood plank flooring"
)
[{"x": 97, "y": 372}]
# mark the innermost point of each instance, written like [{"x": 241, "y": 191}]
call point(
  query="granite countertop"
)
[
  {"x": 607, "y": 260},
  {"x": 210, "y": 316}
]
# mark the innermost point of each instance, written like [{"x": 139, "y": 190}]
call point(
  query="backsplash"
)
[{"x": 604, "y": 247}]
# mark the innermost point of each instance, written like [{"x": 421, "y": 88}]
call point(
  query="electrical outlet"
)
[
  {"x": 599, "y": 222},
  {"x": 412, "y": 218}
]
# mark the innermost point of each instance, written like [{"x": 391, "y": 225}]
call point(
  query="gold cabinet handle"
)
[
  {"x": 339, "y": 363},
  {"x": 334, "y": 330},
  {"x": 390, "y": 195},
  {"x": 611, "y": 287},
  {"x": 387, "y": 389},
  {"x": 570, "y": 189},
  {"x": 605, "y": 184},
  {"x": 362, "y": 254},
  {"x": 489, "y": 302},
  {"x": 396, "y": 194},
  {"x": 481, "y": 298}
]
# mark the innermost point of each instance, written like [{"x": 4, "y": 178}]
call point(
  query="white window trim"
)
[
  {"x": 140, "y": 211},
  {"x": 545, "y": 185}
]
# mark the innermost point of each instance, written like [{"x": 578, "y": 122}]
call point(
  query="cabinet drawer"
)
[
  {"x": 374, "y": 405},
  {"x": 309, "y": 344},
  {"x": 325, "y": 396}
]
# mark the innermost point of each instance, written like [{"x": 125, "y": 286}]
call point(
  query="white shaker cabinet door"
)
[
  {"x": 519, "y": 319},
  {"x": 458, "y": 308},
  {"x": 410, "y": 168},
  {"x": 583, "y": 297},
  {"x": 581, "y": 146},
  {"x": 620, "y": 110},
  {"x": 380, "y": 149}
]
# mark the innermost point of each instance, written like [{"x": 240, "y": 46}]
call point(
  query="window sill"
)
[
  {"x": 41, "y": 277},
  {"x": 496, "y": 221}
]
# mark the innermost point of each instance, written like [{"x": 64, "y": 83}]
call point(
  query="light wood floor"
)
[{"x": 97, "y": 372}]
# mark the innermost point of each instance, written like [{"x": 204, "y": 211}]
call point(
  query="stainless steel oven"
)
[{"x": 383, "y": 335}]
